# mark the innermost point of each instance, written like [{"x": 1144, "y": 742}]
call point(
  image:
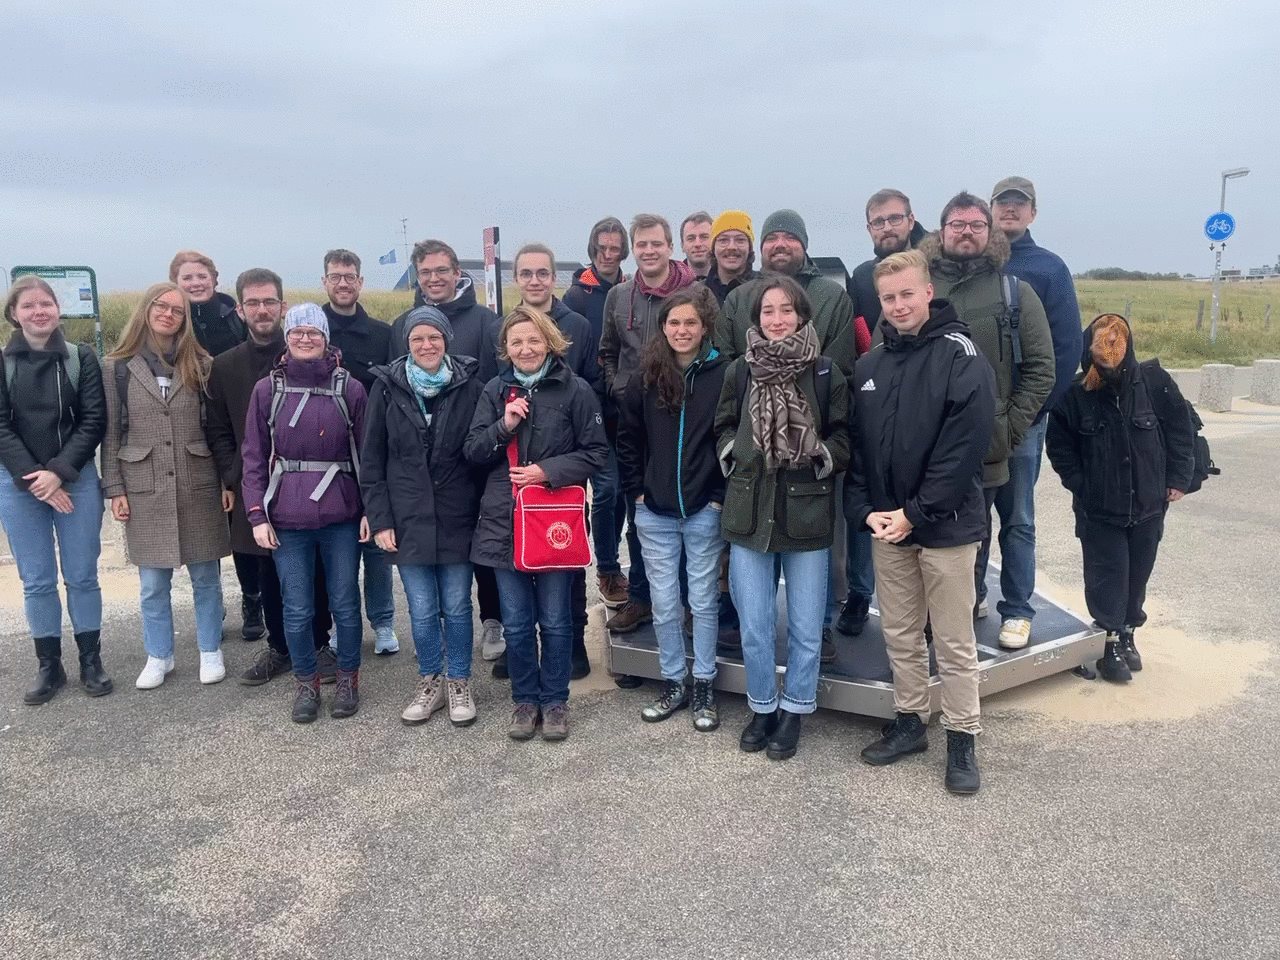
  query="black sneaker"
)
[
  {"x": 1112, "y": 667},
  {"x": 828, "y": 654},
  {"x": 854, "y": 616},
  {"x": 269, "y": 665},
  {"x": 905, "y": 734},
  {"x": 251, "y": 617},
  {"x": 326, "y": 665},
  {"x": 675, "y": 696},
  {"x": 1128, "y": 651},
  {"x": 706, "y": 717},
  {"x": 758, "y": 732},
  {"x": 962, "y": 766}
]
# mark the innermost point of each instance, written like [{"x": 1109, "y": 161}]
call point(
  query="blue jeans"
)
[
  {"x": 435, "y": 592},
  {"x": 1015, "y": 504},
  {"x": 379, "y": 606},
  {"x": 608, "y": 511},
  {"x": 753, "y": 583},
  {"x": 663, "y": 539},
  {"x": 339, "y": 546},
  {"x": 30, "y": 525},
  {"x": 858, "y": 567},
  {"x": 157, "y": 609},
  {"x": 536, "y": 606}
]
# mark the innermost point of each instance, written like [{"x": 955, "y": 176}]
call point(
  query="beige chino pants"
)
[{"x": 914, "y": 584}]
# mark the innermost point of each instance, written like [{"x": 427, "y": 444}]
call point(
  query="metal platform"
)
[{"x": 860, "y": 681}]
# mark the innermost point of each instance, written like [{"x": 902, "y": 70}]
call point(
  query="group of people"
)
[{"x": 746, "y": 428}]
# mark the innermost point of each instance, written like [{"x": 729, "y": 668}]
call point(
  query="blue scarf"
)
[
  {"x": 427, "y": 385},
  {"x": 527, "y": 380}
]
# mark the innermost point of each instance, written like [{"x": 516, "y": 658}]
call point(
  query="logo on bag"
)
[{"x": 560, "y": 535}]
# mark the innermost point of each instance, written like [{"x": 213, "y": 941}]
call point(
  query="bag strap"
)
[
  {"x": 513, "y": 453},
  {"x": 122, "y": 394}
]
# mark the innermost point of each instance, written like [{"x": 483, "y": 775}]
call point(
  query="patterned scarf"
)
[
  {"x": 425, "y": 385},
  {"x": 782, "y": 425}
]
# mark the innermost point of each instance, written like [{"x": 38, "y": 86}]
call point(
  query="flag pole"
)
[{"x": 404, "y": 232}]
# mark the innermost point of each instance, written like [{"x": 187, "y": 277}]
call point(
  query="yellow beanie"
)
[{"x": 733, "y": 220}]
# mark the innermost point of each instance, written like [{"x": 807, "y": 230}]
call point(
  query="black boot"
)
[
  {"x": 854, "y": 616},
  {"x": 50, "y": 677},
  {"x": 1112, "y": 666},
  {"x": 962, "y": 766},
  {"x": 906, "y": 734},
  {"x": 782, "y": 745},
  {"x": 758, "y": 731},
  {"x": 251, "y": 614},
  {"x": 579, "y": 665},
  {"x": 306, "y": 699},
  {"x": 674, "y": 696},
  {"x": 93, "y": 678},
  {"x": 1128, "y": 650}
]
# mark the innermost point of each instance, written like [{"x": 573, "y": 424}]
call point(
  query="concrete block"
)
[
  {"x": 1217, "y": 384},
  {"x": 1266, "y": 382}
]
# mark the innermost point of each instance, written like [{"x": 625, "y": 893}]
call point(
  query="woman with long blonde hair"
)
[{"x": 160, "y": 476}]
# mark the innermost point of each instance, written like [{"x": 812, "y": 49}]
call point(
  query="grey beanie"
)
[
  {"x": 432, "y": 317},
  {"x": 788, "y": 221},
  {"x": 307, "y": 315}
]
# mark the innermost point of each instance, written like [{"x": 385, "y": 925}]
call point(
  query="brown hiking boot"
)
[
  {"x": 555, "y": 722},
  {"x": 306, "y": 700},
  {"x": 613, "y": 589},
  {"x": 630, "y": 616},
  {"x": 524, "y": 720}
]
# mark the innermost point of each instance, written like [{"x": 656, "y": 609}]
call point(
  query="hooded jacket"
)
[
  {"x": 833, "y": 317},
  {"x": 669, "y": 456},
  {"x": 475, "y": 330},
  {"x": 414, "y": 478},
  {"x": 862, "y": 285},
  {"x": 630, "y": 319},
  {"x": 924, "y": 410},
  {"x": 217, "y": 325},
  {"x": 583, "y": 355},
  {"x": 586, "y": 296},
  {"x": 1120, "y": 449},
  {"x": 45, "y": 424},
  {"x": 1051, "y": 280},
  {"x": 362, "y": 341},
  {"x": 563, "y": 434},
  {"x": 974, "y": 290}
]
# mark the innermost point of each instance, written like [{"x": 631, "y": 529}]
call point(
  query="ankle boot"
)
[
  {"x": 1128, "y": 650},
  {"x": 93, "y": 678},
  {"x": 251, "y": 616},
  {"x": 758, "y": 731},
  {"x": 579, "y": 664},
  {"x": 962, "y": 766},
  {"x": 782, "y": 745},
  {"x": 306, "y": 699},
  {"x": 50, "y": 677},
  {"x": 1112, "y": 666}
]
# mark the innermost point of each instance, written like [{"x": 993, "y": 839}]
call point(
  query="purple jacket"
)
[{"x": 320, "y": 434}]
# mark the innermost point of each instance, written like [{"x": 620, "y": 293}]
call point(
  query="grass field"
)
[{"x": 1162, "y": 312}]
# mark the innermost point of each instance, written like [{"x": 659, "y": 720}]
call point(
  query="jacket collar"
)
[{"x": 56, "y": 343}]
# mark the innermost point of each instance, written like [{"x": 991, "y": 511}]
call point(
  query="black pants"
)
[
  {"x": 487, "y": 593},
  {"x": 262, "y": 570},
  {"x": 984, "y": 549},
  {"x": 1117, "y": 565}
]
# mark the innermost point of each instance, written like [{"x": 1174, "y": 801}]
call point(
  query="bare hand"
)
[
  {"x": 120, "y": 508},
  {"x": 228, "y": 500},
  {"x": 1174, "y": 495},
  {"x": 523, "y": 476},
  {"x": 43, "y": 484},
  {"x": 265, "y": 537},
  {"x": 386, "y": 539},
  {"x": 879, "y": 522},
  {"x": 60, "y": 501},
  {"x": 516, "y": 410},
  {"x": 893, "y": 527},
  {"x": 364, "y": 530}
]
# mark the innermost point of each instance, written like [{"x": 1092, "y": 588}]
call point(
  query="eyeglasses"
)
[
  {"x": 271, "y": 304},
  {"x": 527, "y": 275},
  {"x": 160, "y": 306},
  {"x": 297, "y": 335},
  {"x": 438, "y": 272},
  {"x": 337, "y": 278},
  {"x": 893, "y": 220},
  {"x": 973, "y": 226}
]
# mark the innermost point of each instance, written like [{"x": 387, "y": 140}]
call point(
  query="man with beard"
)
[
  {"x": 966, "y": 260},
  {"x": 893, "y": 228},
  {"x": 630, "y": 319},
  {"x": 695, "y": 241},
  {"x": 732, "y": 254}
]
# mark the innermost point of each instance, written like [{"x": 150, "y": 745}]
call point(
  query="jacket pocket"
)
[
  {"x": 809, "y": 508},
  {"x": 204, "y": 473},
  {"x": 137, "y": 469},
  {"x": 739, "y": 512}
]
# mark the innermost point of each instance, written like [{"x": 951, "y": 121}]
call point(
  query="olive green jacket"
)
[{"x": 788, "y": 510}]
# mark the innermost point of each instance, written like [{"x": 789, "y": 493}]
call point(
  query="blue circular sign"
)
[{"x": 1219, "y": 226}]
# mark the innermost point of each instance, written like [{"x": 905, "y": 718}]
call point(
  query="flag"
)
[{"x": 388, "y": 257}]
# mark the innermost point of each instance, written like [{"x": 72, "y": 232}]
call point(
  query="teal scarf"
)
[
  {"x": 427, "y": 385},
  {"x": 527, "y": 380}
]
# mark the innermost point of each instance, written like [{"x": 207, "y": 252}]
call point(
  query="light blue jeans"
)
[
  {"x": 753, "y": 583},
  {"x": 435, "y": 592},
  {"x": 31, "y": 525},
  {"x": 1015, "y": 505},
  {"x": 661, "y": 540},
  {"x": 157, "y": 609}
]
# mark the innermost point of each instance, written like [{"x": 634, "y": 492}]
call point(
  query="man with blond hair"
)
[{"x": 925, "y": 412}]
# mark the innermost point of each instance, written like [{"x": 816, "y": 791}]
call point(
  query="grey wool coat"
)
[{"x": 167, "y": 471}]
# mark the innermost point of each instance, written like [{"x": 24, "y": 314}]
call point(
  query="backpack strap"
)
[{"x": 72, "y": 365}]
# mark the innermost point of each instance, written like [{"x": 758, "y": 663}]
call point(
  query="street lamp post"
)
[{"x": 1217, "y": 260}]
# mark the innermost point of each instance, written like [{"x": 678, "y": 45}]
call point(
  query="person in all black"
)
[
  {"x": 214, "y": 319},
  {"x": 1121, "y": 441},
  {"x": 53, "y": 415},
  {"x": 925, "y": 412}
]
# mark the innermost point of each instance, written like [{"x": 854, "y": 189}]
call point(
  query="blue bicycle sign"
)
[{"x": 1219, "y": 227}]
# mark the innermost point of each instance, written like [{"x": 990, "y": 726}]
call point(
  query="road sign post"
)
[
  {"x": 1218, "y": 228},
  {"x": 493, "y": 270}
]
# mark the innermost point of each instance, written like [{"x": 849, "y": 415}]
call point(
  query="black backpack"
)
[{"x": 1203, "y": 467}]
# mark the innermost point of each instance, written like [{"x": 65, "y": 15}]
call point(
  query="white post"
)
[{"x": 1217, "y": 286}]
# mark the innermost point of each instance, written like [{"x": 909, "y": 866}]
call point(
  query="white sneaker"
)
[
  {"x": 462, "y": 707},
  {"x": 385, "y": 642},
  {"x": 1015, "y": 633},
  {"x": 154, "y": 672},
  {"x": 427, "y": 699},
  {"x": 212, "y": 668},
  {"x": 333, "y": 639},
  {"x": 980, "y": 611},
  {"x": 492, "y": 643}
]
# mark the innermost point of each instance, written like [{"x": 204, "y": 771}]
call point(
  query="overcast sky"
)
[{"x": 264, "y": 135}]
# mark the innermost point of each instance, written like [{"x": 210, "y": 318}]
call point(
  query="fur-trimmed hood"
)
[{"x": 992, "y": 259}]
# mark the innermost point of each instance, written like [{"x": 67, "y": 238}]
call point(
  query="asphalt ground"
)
[{"x": 1113, "y": 822}]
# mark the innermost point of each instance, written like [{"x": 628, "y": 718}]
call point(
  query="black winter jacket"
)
[
  {"x": 669, "y": 456},
  {"x": 862, "y": 285},
  {"x": 363, "y": 342},
  {"x": 44, "y": 423},
  {"x": 217, "y": 325},
  {"x": 1120, "y": 449},
  {"x": 925, "y": 413},
  {"x": 563, "y": 434},
  {"x": 584, "y": 349},
  {"x": 586, "y": 295},
  {"x": 475, "y": 331},
  {"x": 413, "y": 477}
]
